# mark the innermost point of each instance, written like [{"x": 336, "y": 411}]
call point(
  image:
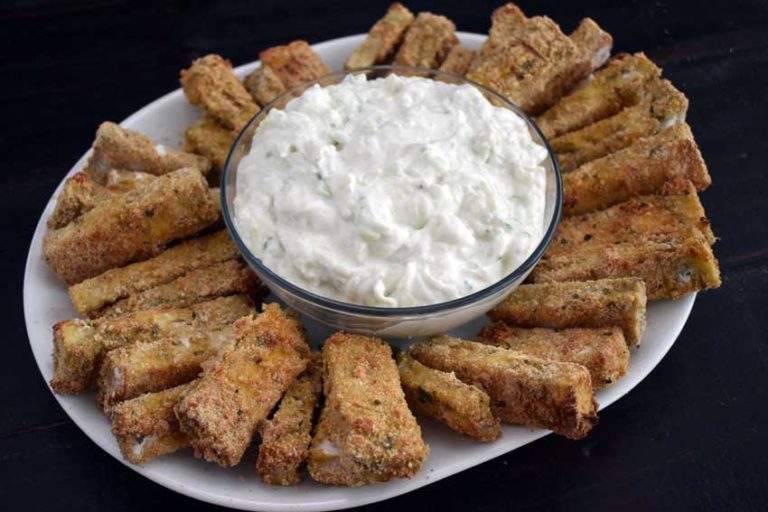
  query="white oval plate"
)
[{"x": 46, "y": 302}]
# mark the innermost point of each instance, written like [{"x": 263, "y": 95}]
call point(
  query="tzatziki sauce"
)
[{"x": 392, "y": 192}]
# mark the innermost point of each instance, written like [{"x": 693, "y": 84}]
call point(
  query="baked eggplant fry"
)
[
  {"x": 79, "y": 345},
  {"x": 597, "y": 304},
  {"x": 210, "y": 83},
  {"x": 264, "y": 85},
  {"x": 383, "y": 39},
  {"x": 146, "y": 427},
  {"x": 427, "y": 41},
  {"x": 602, "y": 351},
  {"x": 640, "y": 169},
  {"x": 116, "y": 147},
  {"x": 440, "y": 395},
  {"x": 210, "y": 139},
  {"x": 240, "y": 387},
  {"x": 617, "y": 85},
  {"x": 228, "y": 277},
  {"x": 92, "y": 295},
  {"x": 524, "y": 390},
  {"x": 286, "y": 436},
  {"x": 80, "y": 194},
  {"x": 665, "y": 240},
  {"x": 593, "y": 41},
  {"x": 294, "y": 63},
  {"x": 458, "y": 60},
  {"x": 366, "y": 432},
  {"x": 662, "y": 106},
  {"x": 528, "y": 60},
  {"x": 174, "y": 206},
  {"x": 145, "y": 367}
]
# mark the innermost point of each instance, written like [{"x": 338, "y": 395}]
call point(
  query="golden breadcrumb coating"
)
[
  {"x": 79, "y": 345},
  {"x": 640, "y": 169},
  {"x": 264, "y": 85},
  {"x": 209, "y": 138},
  {"x": 427, "y": 41},
  {"x": 210, "y": 83},
  {"x": 462, "y": 407},
  {"x": 524, "y": 390},
  {"x": 149, "y": 366},
  {"x": 458, "y": 60},
  {"x": 601, "y": 303},
  {"x": 92, "y": 295},
  {"x": 602, "y": 351},
  {"x": 146, "y": 427},
  {"x": 80, "y": 194},
  {"x": 174, "y": 206},
  {"x": 663, "y": 239},
  {"x": 294, "y": 63},
  {"x": 239, "y": 388},
  {"x": 228, "y": 277},
  {"x": 116, "y": 147},
  {"x": 383, "y": 39},
  {"x": 528, "y": 60},
  {"x": 594, "y": 42},
  {"x": 366, "y": 432},
  {"x": 286, "y": 436}
]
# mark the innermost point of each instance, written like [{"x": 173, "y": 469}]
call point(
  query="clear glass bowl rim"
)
[{"x": 384, "y": 312}]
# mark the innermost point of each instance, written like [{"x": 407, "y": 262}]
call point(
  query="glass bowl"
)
[{"x": 400, "y": 322}]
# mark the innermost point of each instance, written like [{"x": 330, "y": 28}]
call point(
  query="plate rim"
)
[{"x": 385, "y": 491}]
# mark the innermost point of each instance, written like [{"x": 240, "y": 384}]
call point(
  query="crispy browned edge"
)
[
  {"x": 383, "y": 39},
  {"x": 365, "y": 416},
  {"x": 210, "y": 83},
  {"x": 594, "y": 42},
  {"x": 173, "y": 206},
  {"x": 603, "y": 351},
  {"x": 427, "y": 41},
  {"x": 462, "y": 407},
  {"x": 286, "y": 436},
  {"x": 239, "y": 388},
  {"x": 79, "y": 194},
  {"x": 524, "y": 389},
  {"x": 90, "y": 296},
  {"x": 600, "y": 303},
  {"x": 640, "y": 169},
  {"x": 458, "y": 60}
]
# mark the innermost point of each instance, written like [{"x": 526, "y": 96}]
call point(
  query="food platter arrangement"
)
[{"x": 147, "y": 289}]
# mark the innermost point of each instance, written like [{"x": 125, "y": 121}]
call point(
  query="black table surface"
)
[{"x": 691, "y": 436}]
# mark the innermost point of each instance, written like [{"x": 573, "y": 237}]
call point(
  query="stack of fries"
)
[{"x": 180, "y": 355}]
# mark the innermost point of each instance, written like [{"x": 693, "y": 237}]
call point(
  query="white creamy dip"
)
[{"x": 392, "y": 192}]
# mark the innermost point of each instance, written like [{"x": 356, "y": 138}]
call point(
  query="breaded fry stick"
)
[
  {"x": 210, "y": 139},
  {"x": 602, "y": 351},
  {"x": 383, "y": 38},
  {"x": 366, "y": 432},
  {"x": 294, "y": 63},
  {"x": 174, "y": 206},
  {"x": 528, "y": 60},
  {"x": 146, "y": 427},
  {"x": 92, "y": 295},
  {"x": 598, "y": 304},
  {"x": 220, "y": 279},
  {"x": 440, "y": 395},
  {"x": 642, "y": 168},
  {"x": 662, "y": 106},
  {"x": 458, "y": 60},
  {"x": 78, "y": 196},
  {"x": 524, "y": 390},
  {"x": 210, "y": 84},
  {"x": 241, "y": 386},
  {"x": 78, "y": 345},
  {"x": 286, "y": 436},
  {"x": 594, "y": 42},
  {"x": 116, "y": 147},
  {"x": 145, "y": 367},
  {"x": 264, "y": 85},
  {"x": 427, "y": 41},
  {"x": 665, "y": 240},
  {"x": 618, "y": 85}
]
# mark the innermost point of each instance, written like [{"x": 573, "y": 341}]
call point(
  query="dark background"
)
[{"x": 692, "y": 436}]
